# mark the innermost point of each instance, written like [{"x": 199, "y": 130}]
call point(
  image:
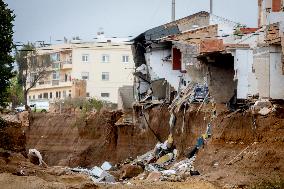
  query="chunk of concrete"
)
[
  {"x": 97, "y": 171},
  {"x": 154, "y": 176},
  {"x": 106, "y": 166},
  {"x": 264, "y": 111}
]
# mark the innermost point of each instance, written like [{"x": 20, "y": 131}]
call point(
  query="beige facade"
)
[{"x": 104, "y": 66}]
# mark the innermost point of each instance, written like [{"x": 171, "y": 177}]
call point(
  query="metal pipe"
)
[
  {"x": 173, "y": 10},
  {"x": 211, "y": 6}
]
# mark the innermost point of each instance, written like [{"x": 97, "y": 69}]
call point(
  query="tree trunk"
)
[{"x": 25, "y": 97}]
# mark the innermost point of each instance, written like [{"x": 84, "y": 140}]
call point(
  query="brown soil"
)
[{"x": 79, "y": 141}]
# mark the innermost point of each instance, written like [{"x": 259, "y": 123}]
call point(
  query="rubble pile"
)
[{"x": 97, "y": 174}]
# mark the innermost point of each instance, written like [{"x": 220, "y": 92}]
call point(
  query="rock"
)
[
  {"x": 129, "y": 171},
  {"x": 154, "y": 176}
]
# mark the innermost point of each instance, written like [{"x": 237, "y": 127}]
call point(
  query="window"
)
[
  {"x": 64, "y": 94},
  {"x": 30, "y": 97},
  {"x": 85, "y": 58},
  {"x": 105, "y": 95},
  {"x": 85, "y": 75},
  {"x": 45, "y": 95},
  {"x": 59, "y": 94},
  {"x": 55, "y": 57},
  {"x": 125, "y": 58},
  {"x": 56, "y": 94},
  {"x": 105, "y": 76},
  {"x": 55, "y": 65},
  {"x": 55, "y": 75},
  {"x": 105, "y": 58},
  {"x": 88, "y": 94},
  {"x": 50, "y": 95},
  {"x": 33, "y": 96},
  {"x": 40, "y": 96}
]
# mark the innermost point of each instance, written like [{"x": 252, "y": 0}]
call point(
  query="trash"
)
[
  {"x": 193, "y": 173},
  {"x": 172, "y": 122},
  {"x": 168, "y": 172},
  {"x": 36, "y": 158},
  {"x": 200, "y": 142},
  {"x": 106, "y": 166},
  {"x": 165, "y": 158},
  {"x": 97, "y": 171},
  {"x": 264, "y": 111},
  {"x": 109, "y": 178}
]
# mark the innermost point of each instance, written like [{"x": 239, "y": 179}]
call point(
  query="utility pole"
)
[
  {"x": 173, "y": 10},
  {"x": 211, "y": 6}
]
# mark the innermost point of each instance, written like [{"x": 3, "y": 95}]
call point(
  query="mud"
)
[{"x": 244, "y": 148}]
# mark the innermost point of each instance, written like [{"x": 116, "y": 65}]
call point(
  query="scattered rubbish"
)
[
  {"x": 36, "y": 158},
  {"x": 264, "y": 111},
  {"x": 106, "y": 166},
  {"x": 97, "y": 174}
]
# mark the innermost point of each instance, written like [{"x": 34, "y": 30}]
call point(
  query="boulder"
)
[{"x": 130, "y": 171}]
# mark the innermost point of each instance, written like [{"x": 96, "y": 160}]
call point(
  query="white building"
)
[{"x": 105, "y": 65}]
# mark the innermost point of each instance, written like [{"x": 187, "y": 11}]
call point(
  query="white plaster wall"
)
[
  {"x": 247, "y": 82},
  {"x": 276, "y": 75},
  {"x": 161, "y": 69},
  {"x": 119, "y": 73}
]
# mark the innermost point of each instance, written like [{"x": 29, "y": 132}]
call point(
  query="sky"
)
[{"x": 52, "y": 20}]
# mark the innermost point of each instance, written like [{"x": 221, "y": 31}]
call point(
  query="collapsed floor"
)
[{"x": 244, "y": 148}]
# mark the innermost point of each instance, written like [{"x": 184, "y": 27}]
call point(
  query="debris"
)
[
  {"x": 106, "y": 166},
  {"x": 129, "y": 171},
  {"x": 97, "y": 171},
  {"x": 168, "y": 172},
  {"x": 264, "y": 111},
  {"x": 154, "y": 176},
  {"x": 193, "y": 173},
  {"x": 36, "y": 158},
  {"x": 165, "y": 158}
]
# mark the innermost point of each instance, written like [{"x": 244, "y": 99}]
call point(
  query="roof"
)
[{"x": 171, "y": 28}]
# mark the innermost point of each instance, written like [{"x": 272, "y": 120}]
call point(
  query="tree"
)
[
  {"x": 6, "y": 46},
  {"x": 15, "y": 92},
  {"x": 32, "y": 66}
]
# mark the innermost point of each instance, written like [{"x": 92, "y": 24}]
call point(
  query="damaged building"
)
[{"x": 208, "y": 52}]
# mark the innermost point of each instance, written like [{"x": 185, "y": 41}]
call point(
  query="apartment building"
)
[{"x": 81, "y": 69}]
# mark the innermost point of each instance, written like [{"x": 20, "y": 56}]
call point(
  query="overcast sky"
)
[{"x": 45, "y": 19}]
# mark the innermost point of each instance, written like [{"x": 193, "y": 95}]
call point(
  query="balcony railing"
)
[{"x": 52, "y": 83}]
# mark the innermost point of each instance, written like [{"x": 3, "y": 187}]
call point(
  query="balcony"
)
[
  {"x": 66, "y": 65},
  {"x": 52, "y": 84}
]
